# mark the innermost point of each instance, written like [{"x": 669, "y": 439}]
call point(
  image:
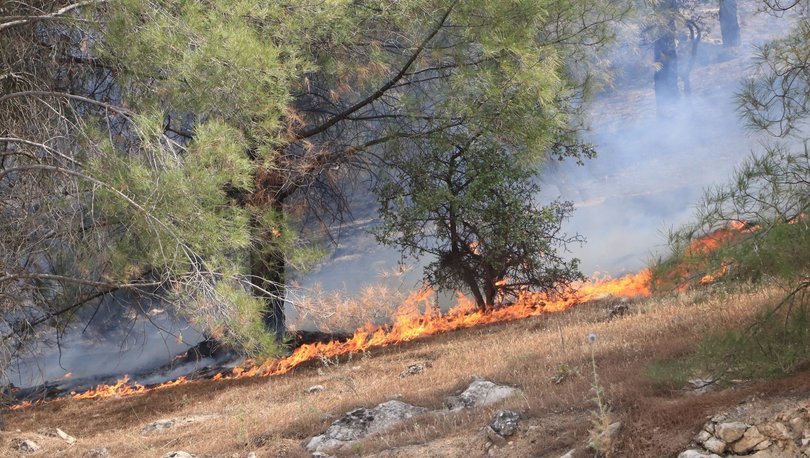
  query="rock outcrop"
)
[
  {"x": 787, "y": 434},
  {"x": 480, "y": 393},
  {"x": 361, "y": 422}
]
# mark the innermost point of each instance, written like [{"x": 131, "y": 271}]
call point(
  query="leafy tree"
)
[
  {"x": 470, "y": 205},
  {"x": 190, "y": 138}
]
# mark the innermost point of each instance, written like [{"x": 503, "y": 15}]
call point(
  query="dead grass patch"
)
[{"x": 272, "y": 416}]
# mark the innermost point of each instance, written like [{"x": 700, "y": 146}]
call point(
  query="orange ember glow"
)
[{"x": 416, "y": 317}]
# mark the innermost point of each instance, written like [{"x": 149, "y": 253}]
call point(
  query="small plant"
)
[
  {"x": 600, "y": 437},
  {"x": 775, "y": 344}
]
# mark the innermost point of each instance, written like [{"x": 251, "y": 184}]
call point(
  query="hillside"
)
[{"x": 547, "y": 358}]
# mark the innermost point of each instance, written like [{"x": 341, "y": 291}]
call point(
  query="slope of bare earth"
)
[{"x": 273, "y": 416}]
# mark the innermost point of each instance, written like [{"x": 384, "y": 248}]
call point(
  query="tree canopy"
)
[{"x": 172, "y": 147}]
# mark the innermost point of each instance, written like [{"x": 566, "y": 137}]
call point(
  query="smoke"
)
[
  {"x": 648, "y": 176},
  {"x": 126, "y": 335}
]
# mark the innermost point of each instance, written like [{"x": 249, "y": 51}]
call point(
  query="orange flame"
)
[{"x": 409, "y": 323}]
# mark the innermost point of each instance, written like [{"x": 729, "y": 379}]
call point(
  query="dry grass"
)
[{"x": 272, "y": 416}]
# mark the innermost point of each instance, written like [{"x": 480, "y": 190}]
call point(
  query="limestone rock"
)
[
  {"x": 56, "y": 432},
  {"x": 697, "y": 454},
  {"x": 730, "y": 432},
  {"x": 361, "y": 422},
  {"x": 702, "y": 436},
  {"x": 771, "y": 452},
  {"x": 315, "y": 389},
  {"x": 750, "y": 439},
  {"x": 798, "y": 425},
  {"x": 715, "y": 445},
  {"x": 158, "y": 425},
  {"x": 98, "y": 453},
  {"x": 416, "y": 368},
  {"x": 505, "y": 422},
  {"x": 168, "y": 423},
  {"x": 775, "y": 430},
  {"x": 28, "y": 446},
  {"x": 178, "y": 454},
  {"x": 480, "y": 393},
  {"x": 570, "y": 453}
]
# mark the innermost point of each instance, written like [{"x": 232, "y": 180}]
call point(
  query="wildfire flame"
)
[
  {"x": 418, "y": 317},
  {"x": 409, "y": 324}
]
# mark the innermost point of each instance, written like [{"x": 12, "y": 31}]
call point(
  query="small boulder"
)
[
  {"x": 416, "y": 368},
  {"x": 315, "y": 389},
  {"x": 798, "y": 425},
  {"x": 178, "y": 454},
  {"x": 361, "y": 422},
  {"x": 158, "y": 425},
  {"x": 697, "y": 454},
  {"x": 168, "y": 423},
  {"x": 98, "y": 453},
  {"x": 570, "y": 453},
  {"x": 56, "y": 432},
  {"x": 606, "y": 436},
  {"x": 505, "y": 422},
  {"x": 28, "y": 446},
  {"x": 730, "y": 432},
  {"x": 775, "y": 430},
  {"x": 771, "y": 452},
  {"x": 480, "y": 393},
  {"x": 714, "y": 445},
  {"x": 750, "y": 439},
  {"x": 702, "y": 437}
]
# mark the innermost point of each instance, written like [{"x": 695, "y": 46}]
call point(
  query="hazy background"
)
[{"x": 649, "y": 174}]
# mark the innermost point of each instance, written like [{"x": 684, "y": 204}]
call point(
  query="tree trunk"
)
[
  {"x": 469, "y": 278},
  {"x": 666, "y": 73},
  {"x": 269, "y": 271},
  {"x": 695, "y": 35},
  {"x": 729, "y": 26}
]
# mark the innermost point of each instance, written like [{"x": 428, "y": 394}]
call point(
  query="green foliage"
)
[
  {"x": 776, "y": 345},
  {"x": 222, "y": 122},
  {"x": 471, "y": 206},
  {"x": 768, "y": 199}
]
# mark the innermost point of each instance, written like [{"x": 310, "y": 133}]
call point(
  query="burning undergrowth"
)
[{"x": 416, "y": 317}]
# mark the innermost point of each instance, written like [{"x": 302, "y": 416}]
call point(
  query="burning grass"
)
[
  {"x": 416, "y": 317},
  {"x": 272, "y": 415}
]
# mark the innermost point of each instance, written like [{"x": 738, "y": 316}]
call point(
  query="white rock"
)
[
  {"x": 65, "y": 436},
  {"x": 56, "y": 432},
  {"x": 730, "y": 432},
  {"x": 505, "y": 422},
  {"x": 28, "y": 446},
  {"x": 361, "y": 422},
  {"x": 178, "y": 454},
  {"x": 702, "y": 437},
  {"x": 715, "y": 445},
  {"x": 797, "y": 424},
  {"x": 775, "y": 430},
  {"x": 570, "y": 453},
  {"x": 480, "y": 393},
  {"x": 697, "y": 454},
  {"x": 771, "y": 452},
  {"x": 315, "y": 389},
  {"x": 750, "y": 439}
]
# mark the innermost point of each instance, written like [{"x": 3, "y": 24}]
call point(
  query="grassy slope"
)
[{"x": 272, "y": 416}]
